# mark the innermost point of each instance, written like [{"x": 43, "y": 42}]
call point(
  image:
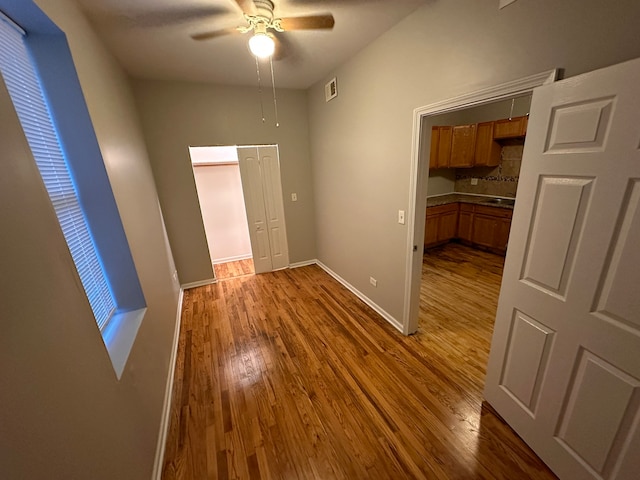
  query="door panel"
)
[
  {"x": 274, "y": 206},
  {"x": 255, "y": 205},
  {"x": 564, "y": 368}
]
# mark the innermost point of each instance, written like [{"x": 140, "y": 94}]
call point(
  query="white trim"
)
[
  {"x": 306, "y": 263},
  {"x": 233, "y": 259},
  {"x": 201, "y": 283},
  {"x": 479, "y": 97},
  {"x": 119, "y": 335},
  {"x": 379, "y": 310},
  {"x": 168, "y": 392}
]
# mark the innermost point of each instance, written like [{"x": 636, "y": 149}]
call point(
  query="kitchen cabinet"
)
[
  {"x": 487, "y": 151},
  {"x": 490, "y": 227},
  {"x": 476, "y": 225},
  {"x": 441, "y": 224},
  {"x": 440, "y": 146},
  {"x": 463, "y": 146},
  {"x": 465, "y": 219},
  {"x": 510, "y": 128}
]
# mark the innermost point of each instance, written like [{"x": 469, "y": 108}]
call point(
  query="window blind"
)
[{"x": 26, "y": 93}]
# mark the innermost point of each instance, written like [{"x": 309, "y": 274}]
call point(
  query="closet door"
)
[
  {"x": 254, "y": 203},
  {"x": 274, "y": 206},
  {"x": 262, "y": 190}
]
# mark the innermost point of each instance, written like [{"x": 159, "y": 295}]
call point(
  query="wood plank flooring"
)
[
  {"x": 238, "y": 268},
  {"x": 288, "y": 375}
]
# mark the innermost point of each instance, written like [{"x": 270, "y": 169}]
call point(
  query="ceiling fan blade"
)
[
  {"x": 246, "y": 6},
  {"x": 214, "y": 34},
  {"x": 309, "y": 22}
]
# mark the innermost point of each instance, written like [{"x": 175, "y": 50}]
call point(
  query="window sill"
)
[{"x": 119, "y": 336}]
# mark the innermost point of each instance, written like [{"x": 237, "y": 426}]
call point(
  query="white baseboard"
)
[
  {"x": 306, "y": 263},
  {"x": 201, "y": 283},
  {"x": 168, "y": 393},
  {"x": 232, "y": 259},
  {"x": 380, "y": 311}
]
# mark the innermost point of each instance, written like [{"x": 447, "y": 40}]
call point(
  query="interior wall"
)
[
  {"x": 176, "y": 115},
  {"x": 64, "y": 413},
  {"x": 223, "y": 211},
  {"x": 361, "y": 141}
]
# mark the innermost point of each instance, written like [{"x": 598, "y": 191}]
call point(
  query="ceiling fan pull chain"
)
[
  {"x": 273, "y": 82},
  {"x": 260, "y": 89}
]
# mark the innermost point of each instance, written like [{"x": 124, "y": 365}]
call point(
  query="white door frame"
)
[{"x": 417, "y": 195}]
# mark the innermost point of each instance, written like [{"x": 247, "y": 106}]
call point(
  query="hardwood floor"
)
[
  {"x": 234, "y": 269},
  {"x": 289, "y": 375}
]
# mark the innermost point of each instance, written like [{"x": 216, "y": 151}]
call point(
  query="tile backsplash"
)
[{"x": 501, "y": 181}]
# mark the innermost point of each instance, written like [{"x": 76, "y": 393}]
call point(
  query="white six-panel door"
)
[
  {"x": 262, "y": 190},
  {"x": 564, "y": 369}
]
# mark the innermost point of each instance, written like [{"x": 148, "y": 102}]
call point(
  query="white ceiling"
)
[{"x": 151, "y": 38}]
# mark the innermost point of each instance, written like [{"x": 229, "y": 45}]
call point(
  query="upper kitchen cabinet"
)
[
  {"x": 440, "y": 146},
  {"x": 487, "y": 151},
  {"x": 510, "y": 128},
  {"x": 463, "y": 146}
]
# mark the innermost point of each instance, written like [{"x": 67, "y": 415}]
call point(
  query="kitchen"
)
[{"x": 474, "y": 166}]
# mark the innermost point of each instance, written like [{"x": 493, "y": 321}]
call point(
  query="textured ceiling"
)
[{"x": 152, "y": 38}]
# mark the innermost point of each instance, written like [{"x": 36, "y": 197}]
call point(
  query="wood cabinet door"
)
[
  {"x": 488, "y": 151},
  {"x": 483, "y": 230},
  {"x": 444, "y": 146},
  {"x": 465, "y": 219},
  {"x": 503, "y": 226},
  {"x": 463, "y": 145},
  {"x": 435, "y": 141},
  {"x": 510, "y": 128},
  {"x": 448, "y": 224},
  {"x": 431, "y": 230}
]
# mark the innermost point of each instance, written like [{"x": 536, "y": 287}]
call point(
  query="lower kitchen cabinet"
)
[
  {"x": 490, "y": 227},
  {"x": 441, "y": 224},
  {"x": 476, "y": 225}
]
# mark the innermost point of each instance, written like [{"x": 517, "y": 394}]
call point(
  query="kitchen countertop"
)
[{"x": 467, "y": 198}]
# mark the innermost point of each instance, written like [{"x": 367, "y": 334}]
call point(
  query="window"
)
[{"x": 24, "y": 88}]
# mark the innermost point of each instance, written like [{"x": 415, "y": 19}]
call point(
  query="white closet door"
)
[
  {"x": 256, "y": 214},
  {"x": 274, "y": 206},
  {"x": 262, "y": 190}
]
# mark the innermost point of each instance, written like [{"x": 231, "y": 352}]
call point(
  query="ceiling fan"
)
[{"x": 261, "y": 20}]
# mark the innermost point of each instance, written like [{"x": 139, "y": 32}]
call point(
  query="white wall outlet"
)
[
  {"x": 401, "y": 217},
  {"x": 474, "y": 181},
  {"x": 373, "y": 281},
  {"x": 294, "y": 197}
]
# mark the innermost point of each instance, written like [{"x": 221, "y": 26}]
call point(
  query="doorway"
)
[
  {"x": 216, "y": 172},
  {"x": 424, "y": 118},
  {"x": 240, "y": 194}
]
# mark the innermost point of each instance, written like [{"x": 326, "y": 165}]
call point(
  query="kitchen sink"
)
[{"x": 502, "y": 201}]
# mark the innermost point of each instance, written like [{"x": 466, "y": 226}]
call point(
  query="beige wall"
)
[
  {"x": 64, "y": 413},
  {"x": 361, "y": 141},
  {"x": 176, "y": 115}
]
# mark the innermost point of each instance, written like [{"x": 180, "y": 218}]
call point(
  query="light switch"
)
[
  {"x": 401, "y": 217},
  {"x": 294, "y": 197},
  {"x": 474, "y": 181}
]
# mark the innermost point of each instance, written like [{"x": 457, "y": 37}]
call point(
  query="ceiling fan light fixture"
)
[{"x": 262, "y": 45}]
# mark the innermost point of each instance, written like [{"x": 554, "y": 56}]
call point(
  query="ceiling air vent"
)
[{"x": 331, "y": 89}]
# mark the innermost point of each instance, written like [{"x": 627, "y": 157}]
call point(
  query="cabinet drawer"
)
[
  {"x": 440, "y": 209},
  {"x": 494, "y": 211}
]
